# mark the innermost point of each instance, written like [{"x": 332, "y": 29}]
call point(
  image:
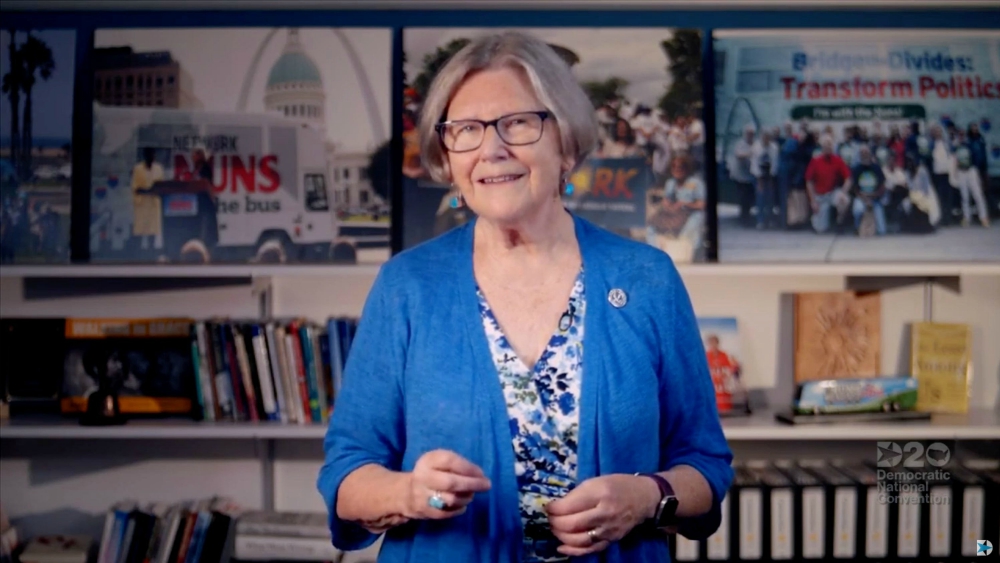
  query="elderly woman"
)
[{"x": 527, "y": 386}]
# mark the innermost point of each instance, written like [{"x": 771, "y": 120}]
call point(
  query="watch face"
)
[{"x": 665, "y": 516}]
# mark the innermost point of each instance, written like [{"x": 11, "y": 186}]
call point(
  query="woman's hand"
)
[
  {"x": 447, "y": 476},
  {"x": 600, "y": 511}
]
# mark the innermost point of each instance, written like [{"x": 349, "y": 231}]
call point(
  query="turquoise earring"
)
[
  {"x": 567, "y": 186},
  {"x": 457, "y": 201}
]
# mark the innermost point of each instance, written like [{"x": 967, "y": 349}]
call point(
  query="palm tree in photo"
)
[
  {"x": 683, "y": 53},
  {"x": 36, "y": 56},
  {"x": 601, "y": 92},
  {"x": 11, "y": 85},
  {"x": 433, "y": 62}
]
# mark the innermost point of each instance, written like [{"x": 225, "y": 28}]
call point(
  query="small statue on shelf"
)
[{"x": 107, "y": 367}]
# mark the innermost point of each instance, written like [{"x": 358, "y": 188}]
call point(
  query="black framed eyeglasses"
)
[{"x": 463, "y": 135}]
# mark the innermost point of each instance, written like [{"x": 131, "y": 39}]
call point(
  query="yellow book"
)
[{"x": 941, "y": 361}]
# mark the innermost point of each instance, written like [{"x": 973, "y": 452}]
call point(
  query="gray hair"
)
[{"x": 550, "y": 77}]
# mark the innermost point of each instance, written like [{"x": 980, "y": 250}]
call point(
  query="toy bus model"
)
[{"x": 836, "y": 396}]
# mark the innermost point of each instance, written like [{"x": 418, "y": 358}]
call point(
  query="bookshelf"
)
[
  {"x": 52, "y": 468},
  {"x": 978, "y": 424},
  {"x": 183, "y": 271},
  {"x": 872, "y": 270}
]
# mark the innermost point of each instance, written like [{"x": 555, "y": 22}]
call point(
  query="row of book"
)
[
  {"x": 213, "y": 530},
  {"x": 808, "y": 511},
  {"x": 220, "y": 369},
  {"x": 280, "y": 371}
]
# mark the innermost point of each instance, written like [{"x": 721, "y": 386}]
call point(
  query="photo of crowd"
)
[
  {"x": 846, "y": 179},
  {"x": 887, "y": 180},
  {"x": 673, "y": 148},
  {"x": 644, "y": 180}
]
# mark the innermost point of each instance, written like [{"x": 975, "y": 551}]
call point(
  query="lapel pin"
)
[{"x": 617, "y": 298}]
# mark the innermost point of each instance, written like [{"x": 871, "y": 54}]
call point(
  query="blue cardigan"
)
[{"x": 420, "y": 377}]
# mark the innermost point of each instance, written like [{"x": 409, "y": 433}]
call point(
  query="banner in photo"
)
[
  {"x": 646, "y": 178},
  {"x": 241, "y": 145},
  {"x": 853, "y": 146},
  {"x": 38, "y": 68}
]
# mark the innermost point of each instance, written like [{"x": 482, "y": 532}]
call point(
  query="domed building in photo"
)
[
  {"x": 295, "y": 89},
  {"x": 294, "y": 85}
]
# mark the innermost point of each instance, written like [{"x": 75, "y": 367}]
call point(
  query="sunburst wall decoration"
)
[{"x": 837, "y": 335}]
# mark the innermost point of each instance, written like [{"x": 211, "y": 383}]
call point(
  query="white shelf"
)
[
  {"x": 977, "y": 425},
  {"x": 167, "y": 429},
  {"x": 184, "y": 271},
  {"x": 874, "y": 269},
  {"x": 881, "y": 269}
]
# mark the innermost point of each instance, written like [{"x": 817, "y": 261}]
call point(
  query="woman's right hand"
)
[{"x": 450, "y": 476}]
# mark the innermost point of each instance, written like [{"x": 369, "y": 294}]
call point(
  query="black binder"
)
[
  {"x": 938, "y": 514},
  {"x": 873, "y": 527},
  {"x": 746, "y": 516},
  {"x": 971, "y": 511},
  {"x": 778, "y": 527},
  {"x": 810, "y": 512},
  {"x": 991, "y": 519},
  {"x": 842, "y": 538},
  {"x": 905, "y": 542}
]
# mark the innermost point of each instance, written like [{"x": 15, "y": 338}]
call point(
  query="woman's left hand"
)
[{"x": 600, "y": 511}]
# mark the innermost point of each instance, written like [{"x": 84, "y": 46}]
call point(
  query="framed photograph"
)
[
  {"x": 857, "y": 145},
  {"x": 721, "y": 339},
  {"x": 645, "y": 179},
  {"x": 241, "y": 145},
  {"x": 37, "y": 67}
]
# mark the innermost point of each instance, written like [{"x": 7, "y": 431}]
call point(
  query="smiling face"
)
[{"x": 500, "y": 182}]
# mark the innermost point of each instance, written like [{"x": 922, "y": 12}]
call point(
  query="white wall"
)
[{"x": 81, "y": 480}]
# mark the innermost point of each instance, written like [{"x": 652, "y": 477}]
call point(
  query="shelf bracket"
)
[
  {"x": 262, "y": 288},
  {"x": 882, "y": 283},
  {"x": 265, "y": 454},
  {"x": 928, "y": 301}
]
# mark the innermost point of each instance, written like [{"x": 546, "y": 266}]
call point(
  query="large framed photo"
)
[
  {"x": 241, "y": 145},
  {"x": 38, "y": 68},
  {"x": 857, "y": 145},
  {"x": 645, "y": 180}
]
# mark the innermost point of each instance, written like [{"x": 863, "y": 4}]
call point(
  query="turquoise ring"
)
[{"x": 436, "y": 501}]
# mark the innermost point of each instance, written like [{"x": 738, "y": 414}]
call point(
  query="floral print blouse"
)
[{"x": 542, "y": 406}]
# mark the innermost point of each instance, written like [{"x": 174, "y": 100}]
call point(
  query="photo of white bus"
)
[{"x": 231, "y": 187}]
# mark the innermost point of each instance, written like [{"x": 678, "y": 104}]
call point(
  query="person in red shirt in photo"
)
[
  {"x": 828, "y": 180},
  {"x": 725, "y": 372}
]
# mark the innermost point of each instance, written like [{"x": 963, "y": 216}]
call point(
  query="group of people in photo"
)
[
  {"x": 868, "y": 178},
  {"x": 628, "y": 128},
  {"x": 674, "y": 150},
  {"x": 29, "y": 228}
]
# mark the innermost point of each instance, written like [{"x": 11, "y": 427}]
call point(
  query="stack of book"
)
[
  {"x": 213, "y": 530},
  {"x": 284, "y": 536}
]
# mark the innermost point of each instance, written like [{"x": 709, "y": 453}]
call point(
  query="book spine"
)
[
  {"x": 239, "y": 346},
  {"x": 210, "y": 408},
  {"x": 310, "y": 371},
  {"x": 274, "y": 356},
  {"x": 276, "y": 548},
  {"x": 264, "y": 372}
]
